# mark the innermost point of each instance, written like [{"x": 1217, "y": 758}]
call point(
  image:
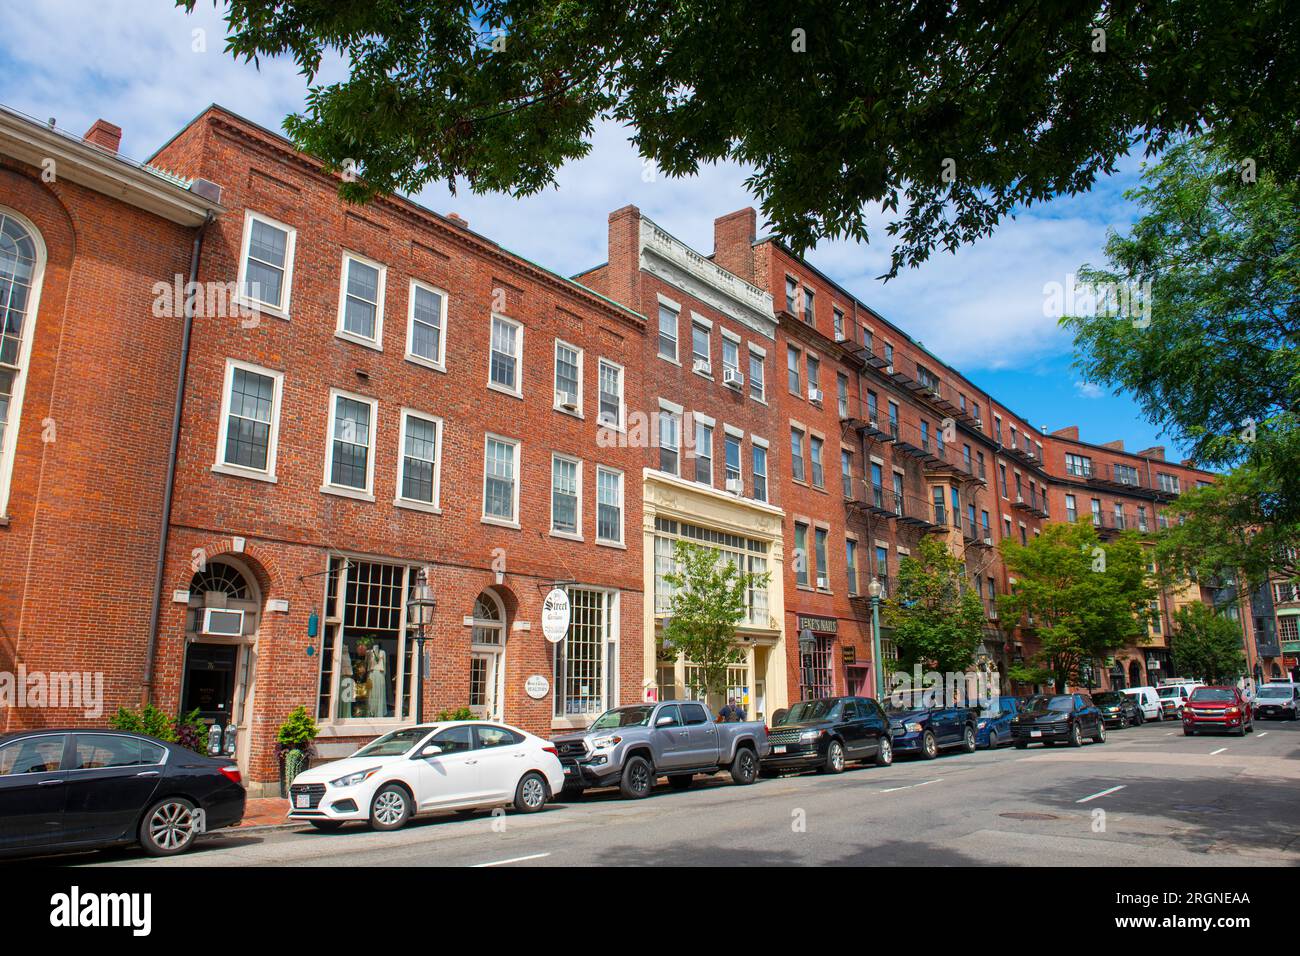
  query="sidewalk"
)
[{"x": 266, "y": 811}]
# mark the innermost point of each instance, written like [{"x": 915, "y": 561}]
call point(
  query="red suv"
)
[{"x": 1218, "y": 708}]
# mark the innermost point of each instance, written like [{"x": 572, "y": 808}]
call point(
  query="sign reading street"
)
[{"x": 555, "y": 615}]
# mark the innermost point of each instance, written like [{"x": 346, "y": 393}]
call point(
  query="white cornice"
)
[
  {"x": 675, "y": 262},
  {"x": 79, "y": 162}
]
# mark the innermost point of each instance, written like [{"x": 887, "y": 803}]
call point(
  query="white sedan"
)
[{"x": 454, "y": 765}]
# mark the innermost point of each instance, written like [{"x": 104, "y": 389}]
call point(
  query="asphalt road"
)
[{"x": 1148, "y": 796}]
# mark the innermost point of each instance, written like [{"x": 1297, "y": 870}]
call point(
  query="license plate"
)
[
  {"x": 1035, "y": 733},
  {"x": 568, "y": 770},
  {"x": 779, "y": 749},
  {"x": 302, "y": 800}
]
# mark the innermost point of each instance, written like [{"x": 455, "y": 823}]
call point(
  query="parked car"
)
[
  {"x": 1173, "y": 697},
  {"x": 1147, "y": 700},
  {"x": 1057, "y": 718},
  {"x": 993, "y": 726},
  {"x": 450, "y": 765},
  {"x": 84, "y": 789},
  {"x": 631, "y": 747},
  {"x": 826, "y": 733},
  {"x": 1281, "y": 700},
  {"x": 925, "y": 729},
  {"x": 1117, "y": 710},
  {"x": 1218, "y": 708}
]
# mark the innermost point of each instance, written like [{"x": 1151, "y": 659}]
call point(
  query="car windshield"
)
[
  {"x": 1283, "y": 691},
  {"x": 1169, "y": 691},
  {"x": 394, "y": 744},
  {"x": 1108, "y": 697},
  {"x": 806, "y": 710},
  {"x": 638, "y": 716},
  {"x": 1213, "y": 693},
  {"x": 1043, "y": 705}
]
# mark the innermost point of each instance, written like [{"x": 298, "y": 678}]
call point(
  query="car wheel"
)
[
  {"x": 169, "y": 827},
  {"x": 1188, "y": 733},
  {"x": 834, "y": 758},
  {"x": 390, "y": 809},
  {"x": 1140, "y": 718},
  {"x": 1100, "y": 736},
  {"x": 744, "y": 769},
  {"x": 1240, "y": 731},
  {"x": 1076, "y": 736},
  {"x": 993, "y": 740},
  {"x": 532, "y": 793},
  {"x": 682, "y": 781},
  {"x": 929, "y": 746},
  {"x": 885, "y": 753},
  {"x": 968, "y": 740},
  {"x": 327, "y": 826},
  {"x": 638, "y": 778},
  {"x": 1123, "y": 721}
]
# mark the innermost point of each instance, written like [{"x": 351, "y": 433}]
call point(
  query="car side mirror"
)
[
  {"x": 664, "y": 722},
  {"x": 431, "y": 751}
]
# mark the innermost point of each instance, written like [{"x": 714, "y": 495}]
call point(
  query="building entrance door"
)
[
  {"x": 210, "y": 681},
  {"x": 483, "y": 684}
]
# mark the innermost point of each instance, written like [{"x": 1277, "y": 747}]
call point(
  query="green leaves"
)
[
  {"x": 1207, "y": 644},
  {"x": 936, "y": 618},
  {"x": 865, "y": 109}
]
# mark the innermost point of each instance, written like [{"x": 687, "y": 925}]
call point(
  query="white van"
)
[
  {"x": 1173, "y": 696},
  {"x": 1148, "y": 701}
]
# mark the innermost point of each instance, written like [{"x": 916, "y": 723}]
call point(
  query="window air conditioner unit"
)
[
  {"x": 736, "y": 486},
  {"x": 564, "y": 401},
  {"x": 841, "y": 337},
  {"x": 703, "y": 366},
  {"x": 993, "y": 614},
  {"x": 222, "y": 622},
  {"x": 988, "y": 541},
  {"x": 889, "y": 369},
  {"x": 1020, "y": 499},
  {"x": 733, "y": 378},
  {"x": 823, "y": 582},
  {"x": 814, "y": 393}
]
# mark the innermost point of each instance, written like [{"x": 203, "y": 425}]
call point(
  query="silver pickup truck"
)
[{"x": 632, "y": 747}]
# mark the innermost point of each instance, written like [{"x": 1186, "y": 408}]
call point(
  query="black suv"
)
[
  {"x": 1117, "y": 709},
  {"x": 827, "y": 733},
  {"x": 1057, "y": 718}
]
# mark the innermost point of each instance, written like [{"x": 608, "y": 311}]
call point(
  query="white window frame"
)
[
  {"x": 376, "y": 343},
  {"x": 676, "y": 310},
  {"x": 518, "y": 390},
  {"x": 755, "y": 443},
  {"x": 220, "y": 465},
  {"x": 435, "y": 506},
  {"x": 440, "y": 363},
  {"x": 328, "y": 487},
  {"x": 9, "y": 446},
  {"x": 279, "y": 310},
  {"x": 518, "y": 458},
  {"x": 705, "y": 326},
  {"x": 555, "y": 376},
  {"x": 577, "y": 503},
  {"x": 761, "y": 354},
  {"x": 621, "y": 425},
  {"x": 622, "y": 510}
]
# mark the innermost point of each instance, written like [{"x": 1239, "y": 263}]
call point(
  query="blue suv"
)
[{"x": 993, "y": 728}]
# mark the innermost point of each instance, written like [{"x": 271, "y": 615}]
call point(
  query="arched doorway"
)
[
  {"x": 1117, "y": 676},
  {"x": 1134, "y": 674},
  {"x": 487, "y": 656},
  {"x": 220, "y": 651}
]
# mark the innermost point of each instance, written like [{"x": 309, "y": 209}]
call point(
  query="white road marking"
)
[
  {"x": 1262, "y": 734},
  {"x": 1219, "y": 751},
  {"x": 1171, "y": 733},
  {"x": 1102, "y": 793},
  {"x": 516, "y": 859},
  {"x": 911, "y": 786}
]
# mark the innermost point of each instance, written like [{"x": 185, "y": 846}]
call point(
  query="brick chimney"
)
[
  {"x": 104, "y": 135},
  {"x": 624, "y": 268},
  {"x": 1155, "y": 451},
  {"x": 458, "y": 219},
  {"x": 1116, "y": 445},
  {"x": 733, "y": 242},
  {"x": 1070, "y": 431}
]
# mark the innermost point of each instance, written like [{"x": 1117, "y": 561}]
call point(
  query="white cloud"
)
[{"x": 1089, "y": 389}]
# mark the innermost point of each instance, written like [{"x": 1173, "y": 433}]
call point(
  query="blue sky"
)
[{"x": 137, "y": 63}]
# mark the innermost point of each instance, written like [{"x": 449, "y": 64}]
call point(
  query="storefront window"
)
[
  {"x": 816, "y": 668},
  {"x": 586, "y": 660}
]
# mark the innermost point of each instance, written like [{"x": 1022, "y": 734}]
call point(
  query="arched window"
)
[
  {"x": 22, "y": 266},
  {"x": 487, "y": 654}
]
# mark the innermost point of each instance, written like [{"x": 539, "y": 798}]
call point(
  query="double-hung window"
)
[
  {"x": 667, "y": 333},
  {"x": 820, "y": 536},
  {"x": 250, "y": 420},
  {"x": 759, "y": 457},
  {"x": 418, "y": 463},
  {"x": 566, "y": 493},
  {"x": 846, "y": 472},
  {"x": 851, "y": 563},
  {"x": 670, "y": 431},
  {"x": 361, "y": 301},
  {"x": 350, "y": 466},
  {"x": 700, "y": 353},
  {"x": 505, "y": 356},
  {"x": 609, "y": 505},
  {"x": 501, "y": 480},
  {"x": 611, "y": 394},
  {"x": 801, "y": 553},
  {"x": 815, "y": 456},
  {"x": 730, "y": 354},
  {"x": 426, "y": 328},
  {"x": 266, "y": 264},
  {"x": 792, "y": 369},
  {"x": 731, "y": 458},
  {"x": 703, "y": 450},
  {"x": 568, "y": 378},
  {"x": 796, "y": 455},
  {"x": 757, "y": 376}
]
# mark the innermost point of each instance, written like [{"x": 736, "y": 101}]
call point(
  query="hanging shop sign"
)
[{"x": 555, "y": 615}]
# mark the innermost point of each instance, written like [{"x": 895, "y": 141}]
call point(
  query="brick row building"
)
[{"x": 223, "y": 500}]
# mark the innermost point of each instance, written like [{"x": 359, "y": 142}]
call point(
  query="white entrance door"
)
[
  {"x": 483, "y": 672},
  {"x": 487, "y": 656}
]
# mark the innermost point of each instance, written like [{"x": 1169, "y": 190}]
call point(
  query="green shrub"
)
[
  {"x": 460, "y": 713},
  {"x": 192, "y": 732},
  {"x": 297, "y": 732},
  {"x": 149, "y": 721}
]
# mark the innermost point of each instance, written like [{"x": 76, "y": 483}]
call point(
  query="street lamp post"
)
[
  {"x": 419, "y": 608},
  {"x": 874, "y": 589}
]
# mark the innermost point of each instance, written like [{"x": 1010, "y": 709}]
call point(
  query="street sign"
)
[{"x": 555, "y": 615}]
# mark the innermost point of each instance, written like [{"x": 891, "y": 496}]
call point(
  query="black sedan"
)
[
  {"x": 85, "y": 789},
  {"x": 1057, "y": 718},
  {"x": 1118, "y": 710},
  {"x": 826, "y": 733}
]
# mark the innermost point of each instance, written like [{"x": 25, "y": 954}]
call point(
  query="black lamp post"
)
[{"x": 419, "y": 609}]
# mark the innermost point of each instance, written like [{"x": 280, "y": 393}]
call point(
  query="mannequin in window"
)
[{"x": 377, "y": 666}]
